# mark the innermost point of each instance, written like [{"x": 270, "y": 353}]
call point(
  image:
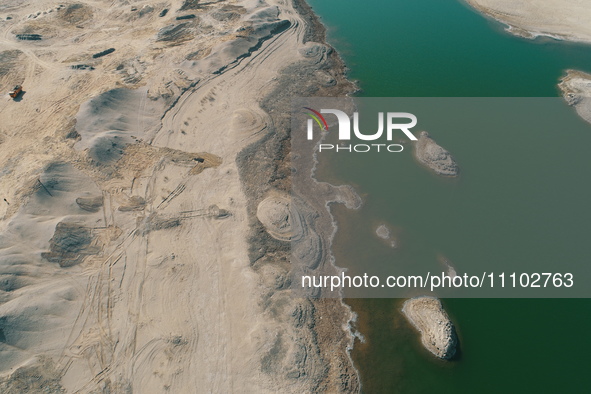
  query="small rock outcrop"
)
[
  {"x": 434, "y": 156},
  {"x": 134, "y": 203},
  {"x": 90, "y": 204},
  {"x": 384, "y": 233},
  {"x": 438, "y": 334},
  {"x": 576, "y": 90}
]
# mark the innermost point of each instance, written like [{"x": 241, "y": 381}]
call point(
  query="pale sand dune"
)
[
  {"x": 127, "y": 268},
  {"x": 562, "y": 19}
]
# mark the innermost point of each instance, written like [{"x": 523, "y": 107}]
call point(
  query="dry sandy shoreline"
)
[
  {"x": 131, "y": 256},
  {"x": 559, "y": 19}
]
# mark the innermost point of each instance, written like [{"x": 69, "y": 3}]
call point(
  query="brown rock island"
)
[
  {"x": 438, "y": 334},
  {"x": 438, "y": 159}
]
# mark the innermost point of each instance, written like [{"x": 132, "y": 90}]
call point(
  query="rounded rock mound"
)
[
  {"x": 247, "y": 122},
  {"x": 280, "y": 219},
  {"x": 438, "y": 159},
  {"x": 438, "y": 334}
]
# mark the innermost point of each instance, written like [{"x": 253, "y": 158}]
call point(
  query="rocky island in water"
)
[
  {"x": 436, "y": 158},
  {"x": 438, "y": 334}
]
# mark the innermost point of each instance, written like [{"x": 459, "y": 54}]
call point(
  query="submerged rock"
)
[
  {"x": 429, "y": 153},
  {"x": 438, "y": 333},
  {"x": 384, "y": 233}
]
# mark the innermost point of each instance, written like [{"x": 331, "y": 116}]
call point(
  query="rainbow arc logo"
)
[
  {"x": 317, "y": 116},
  {"x": 388, "y": 123}
]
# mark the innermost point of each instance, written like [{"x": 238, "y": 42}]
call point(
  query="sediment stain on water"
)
[{"x": 445, "y": 49}]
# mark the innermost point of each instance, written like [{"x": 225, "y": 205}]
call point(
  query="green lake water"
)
[{"x": 532, "y": 206}]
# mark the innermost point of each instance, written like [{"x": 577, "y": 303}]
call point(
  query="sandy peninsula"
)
[
  {"x": 565, "y": 20},
  {"x": 133, "y": 257}
]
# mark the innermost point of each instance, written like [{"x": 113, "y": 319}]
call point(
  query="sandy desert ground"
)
[{"x": 131, "y": 256}]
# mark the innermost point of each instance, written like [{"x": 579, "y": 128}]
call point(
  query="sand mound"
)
[
  {"x": 228, "y": 13},
  {"x": 308, "y": 251},
  {"x": 134, "y": 203},
  {"x": 191, "y": 5},
  {"x": 37, "y": 377},
  {"x": 247, "y": 122},
  {"x": 111, "y": 121},
  {"x": 156, "y": 223},
  {"x": 315, "y": 52},
  {"x": 279, "y": 218},
  {"x": 9, "y": 60},
  {"x": 90, "y": 204},
  {"x": 69, "y": 245},
  {"x": 76, "y": 14},
  {"x": 176, "y": 34},
  {"x": 58, "y": 189},
  {"x": 11, "y": 4},
  {"x": 261, "y": 26},
  {"x": 286, "y": 219}
]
